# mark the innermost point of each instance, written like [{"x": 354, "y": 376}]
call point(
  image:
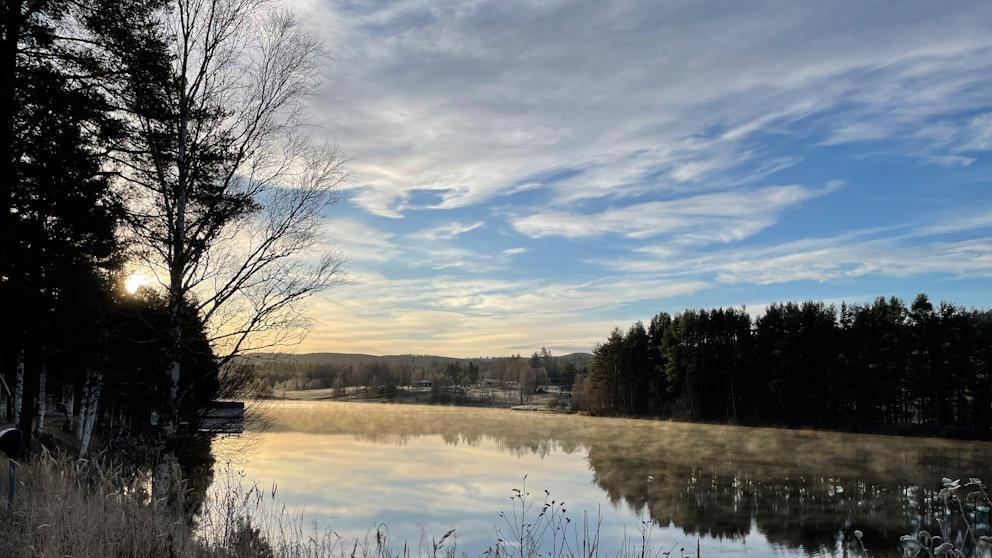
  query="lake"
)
[{"x": 737, "y": 491}]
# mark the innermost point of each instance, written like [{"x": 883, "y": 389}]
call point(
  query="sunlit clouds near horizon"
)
[{"x": 533, "y": 174}]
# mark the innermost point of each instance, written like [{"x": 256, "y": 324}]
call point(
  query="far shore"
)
[
  {"x": 498, "y": 398},
  {"x": 475, "y": 396}
]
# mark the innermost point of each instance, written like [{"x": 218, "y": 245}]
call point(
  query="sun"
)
[{"x": 136, "y": 281}]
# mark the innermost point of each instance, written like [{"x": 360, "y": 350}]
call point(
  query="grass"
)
[{"x": 80, "y": 509}]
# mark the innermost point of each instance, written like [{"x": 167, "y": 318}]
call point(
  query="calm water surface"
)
[{"x": 739, "y": 491}]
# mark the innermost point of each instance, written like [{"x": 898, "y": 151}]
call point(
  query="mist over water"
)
[{"x": 740, "y": 491}]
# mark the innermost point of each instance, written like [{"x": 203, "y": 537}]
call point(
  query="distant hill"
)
[
  {"x": 575, "y": 356},
  {"x": 416, "y": 360}
]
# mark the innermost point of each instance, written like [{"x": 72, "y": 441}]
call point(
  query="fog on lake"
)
[{"x": 739, "y": 491}]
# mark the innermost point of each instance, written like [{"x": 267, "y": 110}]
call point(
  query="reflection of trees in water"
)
[
  {"x": 812, "y": 497},
  {"x": 541, "y": 447},
  {"x": 815, "y": 513},
  {"x": 799, "y": 489},
  {"x": 398, "y": 424}
]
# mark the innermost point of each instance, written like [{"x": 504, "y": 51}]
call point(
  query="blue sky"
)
[{"x": 533, "y": 174}]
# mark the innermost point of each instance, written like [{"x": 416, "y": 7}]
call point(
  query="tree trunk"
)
[
  {"x": 42, "y": 396},
  {"x": 168, "y": 421},
  {"x": 96, "y": 380},
  {"x": 19, "y": 389},
  {"x": 177, "y": 266},
  {"x": 83, "y": 403}
]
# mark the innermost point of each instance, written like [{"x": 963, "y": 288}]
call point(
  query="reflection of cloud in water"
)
[{"x": 756, "y": 488}]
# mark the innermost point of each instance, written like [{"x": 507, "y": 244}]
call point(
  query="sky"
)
[{"x": 536, "y": 173}]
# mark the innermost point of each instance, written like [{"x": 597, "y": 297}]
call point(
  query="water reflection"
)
[{"x": 741, "y": 490}]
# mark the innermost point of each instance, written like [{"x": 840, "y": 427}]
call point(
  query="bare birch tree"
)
[
  {"x": 228, "y": 188},
  {"x": 88, "y": 412}
]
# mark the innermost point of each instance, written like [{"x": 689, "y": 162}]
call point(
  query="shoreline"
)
[{"x": 419, "y": 397}]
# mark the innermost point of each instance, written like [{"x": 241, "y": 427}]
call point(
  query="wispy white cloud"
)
[
  {"x": 721, "y": 217},
  {"x": 980, "y": 129},
  {"x": 360, "y": 242},
  {"x": 949, "y": 160},
  {"x": 448, "y": 231},
  {"x": 450, "y": 258},
  {"x": 890, "y": 251},
  {"x": 972, "y": 258},
  {"x": 861, "y": 131},
  {"x": 513, "y": 251},
  {"x": 465, "y": 98},
  {"x": 956, "y": 221}
]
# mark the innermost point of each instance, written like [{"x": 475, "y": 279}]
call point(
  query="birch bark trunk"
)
[
  {"x": 91, "y": 408},
  {"x": 161, "y": 480},
  {"x": 83, "y": 402}
]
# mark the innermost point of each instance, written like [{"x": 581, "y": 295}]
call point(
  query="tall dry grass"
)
[{"x": 87, "y": 510}]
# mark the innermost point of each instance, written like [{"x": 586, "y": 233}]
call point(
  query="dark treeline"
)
[
  {"x": 78, "y": 344},
  {"x": 290, "y": 374},
  {"x": 164, "y": 217},
  {"x": 859, "y": 367},
  {"x": 303, "y": 373}
]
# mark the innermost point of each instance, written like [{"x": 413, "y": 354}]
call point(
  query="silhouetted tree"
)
[{"x": 228, "y": 188}]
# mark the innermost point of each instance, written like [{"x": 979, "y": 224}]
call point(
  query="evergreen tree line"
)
[{"x": 861, "y": 367}]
